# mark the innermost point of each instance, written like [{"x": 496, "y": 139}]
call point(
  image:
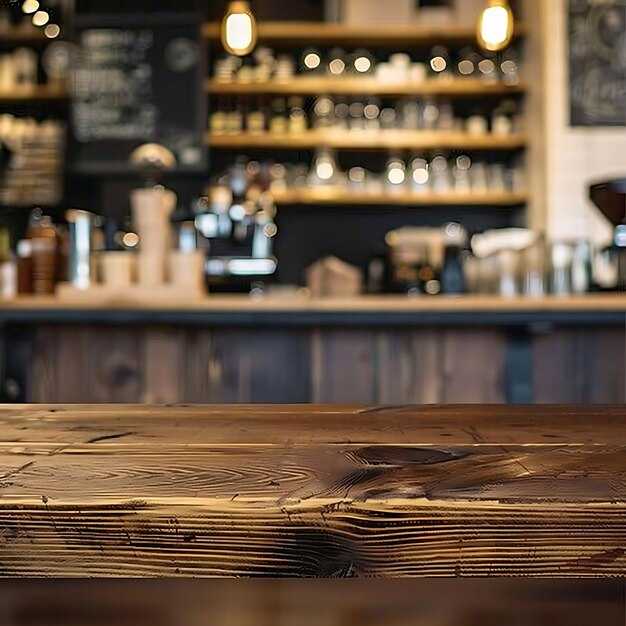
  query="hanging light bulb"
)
[
  {"x": 30, "y": 6},
  {"x": 41, "y": 18},
  {"x": 495, "y": 26},
  {"x": 239, "y": 28}
]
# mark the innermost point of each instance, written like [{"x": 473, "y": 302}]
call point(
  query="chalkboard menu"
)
[
  {"x": 597, "y": 62},
  {"x": 137, "y": 82}
]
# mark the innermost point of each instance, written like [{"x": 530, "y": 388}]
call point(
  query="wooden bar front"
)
[
  {"x": 388, "y": 350},
  {"x": 315, "y": 491}
]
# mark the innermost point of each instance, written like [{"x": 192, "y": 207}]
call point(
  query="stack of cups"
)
[{"x": 152, "y": 209}]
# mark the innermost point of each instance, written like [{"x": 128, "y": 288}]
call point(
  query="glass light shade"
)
[
  {"x": 495, "y": 26},
  {"x": 239, "y": 29},
  {"x": 41, "y": 18},
  {"x": 30, "y": 6}
]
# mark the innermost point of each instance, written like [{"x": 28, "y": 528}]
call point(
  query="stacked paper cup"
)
[
  {"x": 152, "y": 209},
  {"x": 158, "y": 264}
]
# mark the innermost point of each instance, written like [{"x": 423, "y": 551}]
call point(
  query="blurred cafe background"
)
[{"x": 408, "y": 201}]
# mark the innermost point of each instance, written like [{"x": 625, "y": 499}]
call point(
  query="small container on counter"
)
[
  {"x": 8, "y": 267},
  {"x": 24, "y": 250},
  {"x": 187, "y": 273},
  {"x": 43, "y": 236},
  {"x": 117, "y": 268}
]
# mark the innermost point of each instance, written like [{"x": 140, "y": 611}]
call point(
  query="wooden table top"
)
[{"x": 306, "y": 490}]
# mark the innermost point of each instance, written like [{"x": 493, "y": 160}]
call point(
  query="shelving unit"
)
[
  {"x": 306, "y": 86},
  {"x": 369, "y": 140},
  {"x": 344, "y": 197},
  {"x": 296, "y": 36},
  {"x": 320, "y": 33}
]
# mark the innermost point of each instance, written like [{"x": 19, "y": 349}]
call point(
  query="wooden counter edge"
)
[{"x": 364, "y": 304}]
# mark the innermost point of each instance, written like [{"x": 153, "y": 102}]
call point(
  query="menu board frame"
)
[
  {"x": 81, "y": 156},
  {"x": 597, "y": 64}
]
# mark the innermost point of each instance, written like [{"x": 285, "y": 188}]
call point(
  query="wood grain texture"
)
[
  {"x": 580, "y": 365},
  {"x": 422, "y": 365},
  {"x": 302, "y": 490}
]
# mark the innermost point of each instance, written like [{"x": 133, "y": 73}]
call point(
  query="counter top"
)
[
  {"x": 365, "y": 310},
  {"x": 309, "y": 490}
]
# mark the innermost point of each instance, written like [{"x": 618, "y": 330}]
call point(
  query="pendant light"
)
[
  {"x": 239, "y": 28},
  {"x": 495, "y": 26}
]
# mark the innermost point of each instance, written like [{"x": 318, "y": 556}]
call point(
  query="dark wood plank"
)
[
  {"x": 313, "y": 603},
  {"x": 409, "y": 366},
  {"x": 343, "y": 365},
  {"x": 87, "y": 364},
  {"x": 163, "y": 366},
  {"x": 243, "y": 365},
  {"x": 473, "y": 366},
  {"x": 313, "y": 491},
  {"x": 580, "y": 366}
]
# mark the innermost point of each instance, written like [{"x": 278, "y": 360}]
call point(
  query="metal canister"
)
[{"x": 81, "y": 225}]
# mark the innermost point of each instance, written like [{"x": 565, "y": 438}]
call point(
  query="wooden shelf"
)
[
  {"x": 305, "y": 85},
  {"x": 392, "y": 35},
  {"x": 343, "y": 197},
  {"x": 368, "y": 140},
  {"x": 38, "y": 92},
  {"x": 612, "y": 302},
  {"x": 23, "y": 35}
]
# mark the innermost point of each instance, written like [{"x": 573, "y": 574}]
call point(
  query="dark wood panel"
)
[
  {"x": 164, "y": 366},
  {"x": 363, "y": 602},
  {"x": 473, "y": 366},
  {"x": 168, "y": 364},
  {"x": 86, "y": 364},
  {"x": 580, "y": 365},
  {"x": 235, "y": 365},
  {"x": 344, "y": 365},
  {"x": 337, "y": 491},
  {"x": 410, "y": 364}
]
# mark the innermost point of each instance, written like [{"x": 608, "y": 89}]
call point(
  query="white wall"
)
[{"x": 575, "y": 157}]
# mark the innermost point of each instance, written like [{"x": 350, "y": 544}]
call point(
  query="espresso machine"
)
[
  {"x": 236, "y": 218},
  {"x": 610, "y": 198}
]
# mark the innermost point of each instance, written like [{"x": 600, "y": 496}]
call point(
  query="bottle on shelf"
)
[
  {"x": 440, "y": 63},
  {"x": 362, "y": 63},
  {"x": 255, "y": 119},
  {"x": 24, "y": 250},
  {"x": 278, "y": 121},
  {"x": 323, "y": 112},
  {"x": 311, "y": 61},
  {"x": 8, "y": 267},
  {"x": 420, "y": 176},
  {"x": 43, "y": 237},
  {"x": 461, "y": 174},
  {"x": 452, "y": 274},
  {"x": 298, "y": 121},
  {"x": 337, "y": 63}
]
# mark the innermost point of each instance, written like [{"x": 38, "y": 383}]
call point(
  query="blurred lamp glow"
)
[
  {"x": 438, "y": 64},
  {"x": 362, "y": 64},
  {"x": 325, "y": 170},
  {"x": 239, "y": 29},
  {"x": 420, "y": 176},
  {"x": 312, "y": 60},
  {"x": 336, "y": 66},
  {"x": 41, "y": 18},
  {"x": 396, "y": 176},
  {"x": 52, "y": 31},
  {"x": 495, "y": 26},
  {"x": 30, "y": 6}
]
